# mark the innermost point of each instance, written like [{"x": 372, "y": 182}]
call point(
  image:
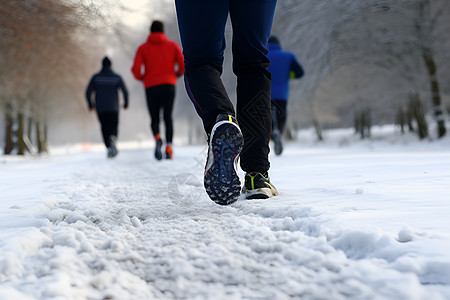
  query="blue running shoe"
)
[{"x": 221, "y": 180}]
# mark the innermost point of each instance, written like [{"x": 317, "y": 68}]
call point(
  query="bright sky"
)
[{"x": 138, "y": 12}]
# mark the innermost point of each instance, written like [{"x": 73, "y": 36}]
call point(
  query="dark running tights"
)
[
  {"x": 161, "y": 97},
  {"x": 202, "y": 30},
  {"x": 109, "y": 122}
]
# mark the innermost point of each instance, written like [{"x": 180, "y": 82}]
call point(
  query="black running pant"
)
[
  {"x": 202, "y": 25},
  {"x": 109, "y": 122},
  {"x": 161, "y": 97}
]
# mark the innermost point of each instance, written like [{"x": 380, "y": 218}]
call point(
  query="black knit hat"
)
[
  {"x": 273, "y": 39},
  {"x": 106, "y": 62},
  {"x": 157, "y": 26}
]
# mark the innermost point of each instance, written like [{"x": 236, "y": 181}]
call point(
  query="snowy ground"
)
[{"x": 354, "y": 220}]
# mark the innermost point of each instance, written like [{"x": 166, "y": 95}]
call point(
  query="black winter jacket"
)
[{"x": 105, "y": 84}]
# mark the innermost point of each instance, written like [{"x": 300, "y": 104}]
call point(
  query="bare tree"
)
[
  {"x": 42, "y": 49},
  {"x": 373, "y": 52},
  {"x": 402, "y": 37}
]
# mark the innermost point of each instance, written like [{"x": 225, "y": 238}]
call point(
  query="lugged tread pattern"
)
[{"x": 221, "y": 181}]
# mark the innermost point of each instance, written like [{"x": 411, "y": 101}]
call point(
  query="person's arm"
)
[
  {"x": 296, "y": 70},
  {"x": 90, "y": 88},
  {"x": 179, "y": 59},
  {"x": 124, "y": 91},
  {"x": 137, "y": 65}
]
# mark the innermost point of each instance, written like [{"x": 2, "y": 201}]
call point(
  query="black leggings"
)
[
  {"x": 109, "y": 122},
  {"x": 202, "y": 31},
  {"x": 161, "y": 97}
]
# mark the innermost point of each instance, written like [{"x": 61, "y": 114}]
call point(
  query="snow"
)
[{"x": 354, "y": 220}]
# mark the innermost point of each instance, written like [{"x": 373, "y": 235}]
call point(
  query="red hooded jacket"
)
[{"x": 162, "y": 60}]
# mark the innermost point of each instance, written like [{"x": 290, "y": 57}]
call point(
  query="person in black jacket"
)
[{"x": 106, "y": 84}]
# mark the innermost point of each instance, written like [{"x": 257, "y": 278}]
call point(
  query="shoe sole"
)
[
  {"x": 221, "y": 181},
  {"x": 158, "y": 153},
  {"x": 261, "y": 193}
]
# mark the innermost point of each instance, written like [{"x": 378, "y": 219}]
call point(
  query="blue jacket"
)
[
  {"x": 105, "y": 84},
  {"x": 283, "y": 66}
]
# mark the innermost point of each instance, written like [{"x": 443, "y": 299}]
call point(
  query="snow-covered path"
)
[{"x": 350, "y": 223}]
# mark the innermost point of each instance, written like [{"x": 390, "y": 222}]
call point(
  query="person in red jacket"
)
[{"x": 158, "y": 63}]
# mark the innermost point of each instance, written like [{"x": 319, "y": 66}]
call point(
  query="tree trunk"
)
[
  {"x": 45, "y": 141},
  {"x": 30, "y": 128},
  {"x": 20, "y": 133},
  {"x": 318, "y": 128},
  {"x": 417, "y": 110},
  {"x": 368, "y": 122},
  {"x": 356, "y": 123},
  {"x": 41, "y": 138},
  {"x": 9, "y": 143},
  {"x": 38, "y": 137},
  {"x": 435, "y": 93},
  {"x": 401, "y": 120},
  {"x": 410, "y": 118},
  {"x": 363, "y": 123}
]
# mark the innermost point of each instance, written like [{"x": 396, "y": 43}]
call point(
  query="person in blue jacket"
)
[
  {"x": 105, "y": 85},
  {"x": 284, "y": 66}
]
